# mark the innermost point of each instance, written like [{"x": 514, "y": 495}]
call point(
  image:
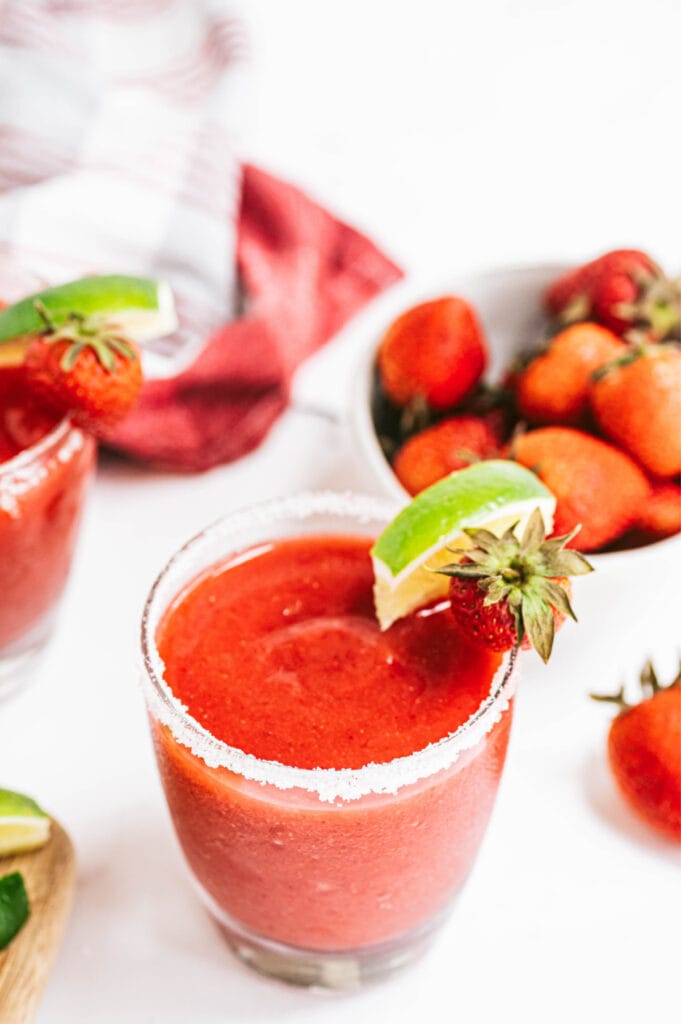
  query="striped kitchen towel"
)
[
  {"x": 118, "y": 145},
  {"x": 304, "y": 274},
  {"x": 118, "y": 121}
]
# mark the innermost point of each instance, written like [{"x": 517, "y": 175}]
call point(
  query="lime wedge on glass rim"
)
[
  {"x": 142, "y": 307},
  {"x": 23, "y": 824},
  {"x": 494, "y": 494}
]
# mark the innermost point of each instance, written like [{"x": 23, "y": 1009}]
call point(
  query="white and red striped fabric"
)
[{"x": 118, "y": 126}]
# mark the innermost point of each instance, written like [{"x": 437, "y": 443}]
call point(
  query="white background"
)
[{"x": 459, "y": 135}]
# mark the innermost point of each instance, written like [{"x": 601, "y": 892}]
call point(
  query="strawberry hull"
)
[{"x": 41, "y": 495}]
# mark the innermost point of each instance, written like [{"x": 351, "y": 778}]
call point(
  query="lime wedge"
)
[
  {"x": 23, "y": 824},
  {"x": 143, "y": 308},
  {"x": 14, "y": 908},
  {"x": 493, "y": 494}
]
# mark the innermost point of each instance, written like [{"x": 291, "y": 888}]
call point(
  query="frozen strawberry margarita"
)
[
  {"x": 44, "y": 465},
  {"x": 70, "y": 371},
  {"x": 329, "y": 783}
]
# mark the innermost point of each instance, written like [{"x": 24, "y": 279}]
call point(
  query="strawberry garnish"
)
[
  {"x": 511, "y": 592},
  {"x": 86, "y": 368},
  {"x": 644, "y": 751}
]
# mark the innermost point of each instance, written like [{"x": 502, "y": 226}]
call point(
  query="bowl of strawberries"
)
[{"x": 573, "y": 372}]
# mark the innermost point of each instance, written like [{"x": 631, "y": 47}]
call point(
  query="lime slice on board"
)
[
  {"x": 493, "y": 494},
  {"x": 14, "y": 907},
  {"x": 142, "y": 307},
  {"x": 23, "y": 824}
]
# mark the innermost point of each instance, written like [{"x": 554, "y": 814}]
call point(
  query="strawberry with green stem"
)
[
  {"x": 636, "y": 400},
  {"x": 644, "y": 751},
  {"x": 509, "y": 591},
  {"x": 86, "y": 367},
  {"x": 622, "y": 289}
]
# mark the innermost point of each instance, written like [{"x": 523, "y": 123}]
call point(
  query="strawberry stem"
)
[
  {"x": 83, "y": 332},
  {"x": 612, "y": 698},
  {"x": 44, "y": 315},
  {"x": 649, "y": 683}
]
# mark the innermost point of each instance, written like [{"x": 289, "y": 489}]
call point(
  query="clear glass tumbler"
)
[
  {"x": 320, "y": 877},
  {"x": 42, "y": 489}
]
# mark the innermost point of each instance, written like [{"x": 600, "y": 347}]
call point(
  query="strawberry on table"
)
[
  {"x": 637, "y": 402},
  {"x": 451, "y": 444},
  {"x": 87, "y": 368},
  {"x": 554, "y": 386},
  {"x": 595, "y": 484},
  {"x": 644, "y": 752},
  {"x": 621, "y": 289},
  {"x": 508, "y": 591},
  {"x": 435, "y": 352}
]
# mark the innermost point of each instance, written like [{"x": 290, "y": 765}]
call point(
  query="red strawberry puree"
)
[
  {"x": 280, "y": 655},
  {"x": 41, "y": 493}
]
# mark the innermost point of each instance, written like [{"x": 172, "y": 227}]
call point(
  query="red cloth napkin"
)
[{"x": 304, "y": 274}]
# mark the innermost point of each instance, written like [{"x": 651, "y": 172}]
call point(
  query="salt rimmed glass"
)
[
  {"x": 256, "y": 832},
  {"x": 41, "y": 496}
]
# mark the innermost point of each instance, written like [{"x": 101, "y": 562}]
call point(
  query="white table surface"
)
[{"x": 459, "y": 136}]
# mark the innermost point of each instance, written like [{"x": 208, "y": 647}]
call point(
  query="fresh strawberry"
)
[
  {"x": 660, "y": 515},
  {"x": 85, "y": 368},
  {"x": 637, "y": 403},
  {"x": 554, "y": 387},
  {"x": 623, "y": 289},
  {"x": 595, "y": 484},
  {"x": 451, "y": 444},
  {"x": 434, "y": 352},
  {"x": 644, "y": 751},
  {"x": 508, "y": 592}
]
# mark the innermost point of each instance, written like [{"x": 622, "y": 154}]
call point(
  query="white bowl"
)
[{"x": 630, "y": 601}]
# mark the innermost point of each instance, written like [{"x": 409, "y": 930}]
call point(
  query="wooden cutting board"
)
[{"x": 49, "y": 876}]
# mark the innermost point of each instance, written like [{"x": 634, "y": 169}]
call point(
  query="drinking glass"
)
[
  {"x": 42, "y": 490},
  {"x": 321, "y": 877}
]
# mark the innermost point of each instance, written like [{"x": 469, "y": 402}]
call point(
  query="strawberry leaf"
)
[
  {"x": 534, "y": 534},
  {"x": 70, "y": 357},
  {"x": 463, "y": 571},
  {"x": 557, "y": 597},
  {"x": 539, "y": 623}
]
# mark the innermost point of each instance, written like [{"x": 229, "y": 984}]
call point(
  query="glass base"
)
[
  {"x": 339, "y": 970},
  {"x": 18, "y": 661}
]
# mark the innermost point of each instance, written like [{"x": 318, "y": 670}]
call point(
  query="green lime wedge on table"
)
[
  {"x": 493, "y": 494},
  {"x": 14, "y": 907},
  {"x": 142, "y": 307},
  {"x": 23, "y": 824}
]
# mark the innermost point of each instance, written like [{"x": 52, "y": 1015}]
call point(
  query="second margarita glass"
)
[{"x": 44, "y": 469}]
